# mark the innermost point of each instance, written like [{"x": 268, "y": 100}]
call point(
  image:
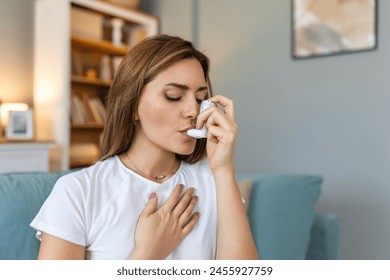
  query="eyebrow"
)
[{"x": 184, "y": 87}]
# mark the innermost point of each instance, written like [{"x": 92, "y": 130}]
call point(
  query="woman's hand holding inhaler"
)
[{"x": 221, "y": 129}]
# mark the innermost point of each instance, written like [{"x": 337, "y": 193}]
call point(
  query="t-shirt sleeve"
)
[{"x": 62, "y": 215}]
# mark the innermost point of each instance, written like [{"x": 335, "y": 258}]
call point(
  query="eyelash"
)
[{"x": 171, "y": 99}]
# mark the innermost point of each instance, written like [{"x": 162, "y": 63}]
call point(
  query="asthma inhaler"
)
[{"x": 201, "y": 133}]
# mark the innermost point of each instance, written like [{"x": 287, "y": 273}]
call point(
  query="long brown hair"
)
[{"x": 140, "y": 66}]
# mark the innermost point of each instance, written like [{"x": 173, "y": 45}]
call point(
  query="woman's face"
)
[{"x": 169, "y": 106}]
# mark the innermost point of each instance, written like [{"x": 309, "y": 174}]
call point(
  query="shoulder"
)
[{"x": 82, "y": 181}]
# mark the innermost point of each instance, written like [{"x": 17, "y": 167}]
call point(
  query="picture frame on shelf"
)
[
  {"x": 20, "y": 125},
  {"x": 331, "y": 27}
]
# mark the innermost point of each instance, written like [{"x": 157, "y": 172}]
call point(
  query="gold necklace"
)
[{"x": 158, "y": 177}]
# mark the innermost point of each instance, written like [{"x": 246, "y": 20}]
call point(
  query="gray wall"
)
[
  {"x": 16, "y": 50},
  {"x": 327, "y": 116}
]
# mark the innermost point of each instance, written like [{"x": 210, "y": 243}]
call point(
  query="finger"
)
[
  {"x": 183, "y": 203},
  {"x": 191, "y": 224},
  {"x": 151, "y": 206},
  {"x": 203, "y": 117},
  {"x": 220, "y": 134},
  {"x": 186, "y": 214},
  {"x": 214, "y": 116},
  {"x": 220, "y": 119},
  {"x": 227, "y": 104},
  {"x": 173, "y": 198}
]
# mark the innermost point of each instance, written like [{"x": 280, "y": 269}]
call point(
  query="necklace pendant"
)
[{"x": 160, "y": 177}]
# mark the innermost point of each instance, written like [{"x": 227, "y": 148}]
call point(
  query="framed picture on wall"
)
[
  {"x": 20, "y": 125},
  {"x": 329, "y": 27}
]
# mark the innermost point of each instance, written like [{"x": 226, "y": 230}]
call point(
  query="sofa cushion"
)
[
  {"x": 281, "y": 213},
  {"x": 17, "y": 239},
  {"x": 324, "y": 240}
]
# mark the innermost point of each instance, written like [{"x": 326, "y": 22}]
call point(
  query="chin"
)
[{"x": 185, "y": 150}]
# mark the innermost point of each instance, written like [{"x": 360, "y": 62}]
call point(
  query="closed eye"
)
[
  {"x": 175, "y": 99},
  {"x": 172, "y": 99}
]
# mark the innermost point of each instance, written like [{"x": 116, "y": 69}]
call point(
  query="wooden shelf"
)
[
  {"x": 88, "y": 126},
  {"x": 91, "y": 45},
  {"x": 89, "y": 81},
  {"x": 81, "y": 163},
  {"x": 39, "y": 141}
]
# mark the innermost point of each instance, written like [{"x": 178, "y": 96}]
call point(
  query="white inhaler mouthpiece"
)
[{"x": 201, "y": 133}]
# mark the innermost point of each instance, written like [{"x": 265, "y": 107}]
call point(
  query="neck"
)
[
  {"x": 149, "y": 160},
  {"x": 155, "y": 165}
]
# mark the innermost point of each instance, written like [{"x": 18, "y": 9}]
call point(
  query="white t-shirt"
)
[{"x": 98, "y": 208}]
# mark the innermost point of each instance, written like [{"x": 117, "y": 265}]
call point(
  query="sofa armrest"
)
[
  {"x": 21, "y": 196},
  {"x": 324, "y": 239},
  {"x": 281, "y": 212}
]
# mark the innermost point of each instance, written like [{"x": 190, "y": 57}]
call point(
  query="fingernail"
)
[
  {"x": 152, "y": 195},
  {"x": 181, "y": 186},
  {"x": 195, "y": 198}
]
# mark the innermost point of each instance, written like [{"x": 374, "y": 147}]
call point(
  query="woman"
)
[{"x": 153, "y": 194}]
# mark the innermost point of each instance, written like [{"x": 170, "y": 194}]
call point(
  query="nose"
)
[{"x": 191, "y": 109}]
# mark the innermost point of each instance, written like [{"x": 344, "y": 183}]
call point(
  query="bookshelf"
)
[{"x": 76, "y": 55}]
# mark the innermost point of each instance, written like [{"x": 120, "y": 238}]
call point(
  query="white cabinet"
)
[{"x": 24, "y": 156}]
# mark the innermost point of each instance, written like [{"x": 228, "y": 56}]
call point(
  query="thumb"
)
[{"x": 151, "y": 206}]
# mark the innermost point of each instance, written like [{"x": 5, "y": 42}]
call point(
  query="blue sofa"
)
[{"x": 281, "y": 212}]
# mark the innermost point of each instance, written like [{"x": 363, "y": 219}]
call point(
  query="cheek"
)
[{"x": 155, "y": 117}]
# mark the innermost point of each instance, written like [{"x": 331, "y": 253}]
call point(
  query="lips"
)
[{"x": 185, "y": 134}]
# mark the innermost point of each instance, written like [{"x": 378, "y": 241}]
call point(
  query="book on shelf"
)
[
  {"x": 97, "y": 109},
  {"x": 78, "y": 113},
  {"x": 85, "y": 98},
  {"x": 77, "y": 63},
  {"x": 87, "y": 110},
  {"x": 105, "y": 71},
  {"x": 101, "y": 108}
]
